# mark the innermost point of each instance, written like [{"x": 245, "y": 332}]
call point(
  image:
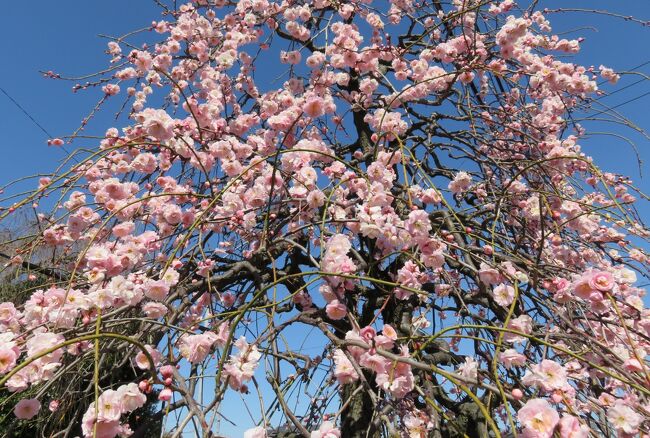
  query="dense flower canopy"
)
[{"x": 411, "y": 192}]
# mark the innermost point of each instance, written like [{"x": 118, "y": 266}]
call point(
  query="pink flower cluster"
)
[
  {"x": 241, "y": 367},
  {"x": 103, "y": 418},
  {"x": 394, "y": 377}
]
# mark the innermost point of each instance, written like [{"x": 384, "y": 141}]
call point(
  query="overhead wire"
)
[
  {"x": 30, "y": 117},
  {"x": 621, "y": 89},
  {"x": 621, "y": 104}
]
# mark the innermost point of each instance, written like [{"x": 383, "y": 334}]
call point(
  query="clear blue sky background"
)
[{"x": 62, "y": 36}]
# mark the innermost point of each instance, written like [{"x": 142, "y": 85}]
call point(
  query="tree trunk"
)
[{"x": 356, "y": 418}]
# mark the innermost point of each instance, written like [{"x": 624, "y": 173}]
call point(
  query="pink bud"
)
[
  {"x": 143, "y": 385},
  {"x": 165, "y": 395},
  {"x": 167, "y": 371},
  {"x": 368, "y": 333},
  {"x": 53, "y": 406},
  {"x": 517, "y": 394},
  {"x": 168, "y": 381}
]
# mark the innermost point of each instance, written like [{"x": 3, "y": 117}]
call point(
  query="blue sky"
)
[{"x": 63, "y": 37}]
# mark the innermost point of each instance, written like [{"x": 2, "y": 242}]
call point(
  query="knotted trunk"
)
[{"x": 357, "y": 417}]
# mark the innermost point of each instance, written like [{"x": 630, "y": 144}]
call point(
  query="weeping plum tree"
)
[{"x": 357, "y": 218}]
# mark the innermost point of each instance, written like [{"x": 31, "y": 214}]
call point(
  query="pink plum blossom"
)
[
  {"x": 326, "y": 430},
  {"x": 27, "y": 408},
  {"x": 538, "y": 419},
  {"x": 623, "y": 418}
]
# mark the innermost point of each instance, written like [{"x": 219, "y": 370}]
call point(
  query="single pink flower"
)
[
  {"x": 7, "y": 312},
  {"x": 548, "y": 375},
  {"x": 157, "y": 123},
  {"x": 602, "y": 281},
  {"x": 488, "y": 274},
  {"x": 524, "y": 324},
  {"x": 27, "y": 408},
  {"x": 154, "y": 310},
  {"x": 503, "y": 294},
  {"x": 624, "y": 418},
  {"x": 461, "y": 182},
  {"x": 110, "y": 406},
  {"x": 131, "y": 397},
  {"x": 326, "y": 430},
  {"x": 195, "y": 348},
  {"x": 255, "y": 432},
  {"x": 156, "y": 290},
  {"x": 512, "y": 357},
  {"x": 570, "y": 427},
  {"x": 314, "y": 107},
  {"x": 583, "y": 288},
  {"x": 336, "y": 310},
  {"x": 538, "y": 419},
  {"x": 344, "y": 371},
  {"x": 143, "y": 362},
  {"x": 7, "y": 359}
]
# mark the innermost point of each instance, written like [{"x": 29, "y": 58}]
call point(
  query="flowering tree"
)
[{"x": 410, "y": 196}]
